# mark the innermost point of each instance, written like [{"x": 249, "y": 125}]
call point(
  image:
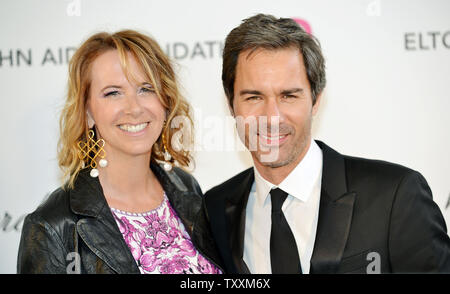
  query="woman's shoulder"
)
[
  {"x": 178, "y": 177},
  {"x": 188, "y": 179},
  {"x": 47, "y": 236},
  {"x": 53, "y": 210}
]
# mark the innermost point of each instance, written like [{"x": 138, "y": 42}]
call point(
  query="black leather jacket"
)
[{"x": 80, "y": 220}]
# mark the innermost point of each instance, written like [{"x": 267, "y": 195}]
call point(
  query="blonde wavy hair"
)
[{"x": 157, "y": 68}]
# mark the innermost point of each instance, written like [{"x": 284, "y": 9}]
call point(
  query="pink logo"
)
[{"x": 304, "y": 24}]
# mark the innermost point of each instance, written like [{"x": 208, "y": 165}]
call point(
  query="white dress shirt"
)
[{"x": 301, "y": 210}]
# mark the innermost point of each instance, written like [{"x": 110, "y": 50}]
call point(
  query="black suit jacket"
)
[{"x": 365, "y": 206}]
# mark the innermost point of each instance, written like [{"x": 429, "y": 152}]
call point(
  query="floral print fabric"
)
[{"x": 159, "y": 242}]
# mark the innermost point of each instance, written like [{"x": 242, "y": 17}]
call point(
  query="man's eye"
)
[
  {"x": 111, "y": 93},
  {"x": 289, "y": 96},
  {"x": 252, "y": 98}
]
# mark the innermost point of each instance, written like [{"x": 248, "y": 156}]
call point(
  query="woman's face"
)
[{"x": 128, "y": 114}]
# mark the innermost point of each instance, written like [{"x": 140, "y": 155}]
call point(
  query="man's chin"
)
[
  {"x": 274, "y": 164},
  {"x": 265, "y": 160}
]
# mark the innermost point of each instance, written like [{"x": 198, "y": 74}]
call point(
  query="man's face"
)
[{"x": 272, "y": 86}]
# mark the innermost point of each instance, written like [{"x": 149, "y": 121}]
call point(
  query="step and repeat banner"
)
[{"x": 387, "y": 97}]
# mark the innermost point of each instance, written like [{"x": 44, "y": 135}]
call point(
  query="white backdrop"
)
[{"x": 388, "y": 71}]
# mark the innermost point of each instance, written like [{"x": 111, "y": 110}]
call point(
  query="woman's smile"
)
[{"x": 134, "y": 129}]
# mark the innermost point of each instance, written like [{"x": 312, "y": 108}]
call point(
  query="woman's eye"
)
[
  {"x": 147, "y": 90},
  {"x": 111, "y": 93}
]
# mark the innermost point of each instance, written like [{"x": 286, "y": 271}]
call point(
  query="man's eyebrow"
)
[
  {"x": 251, "y": 92},
  {"x": 291, "y": 91}
]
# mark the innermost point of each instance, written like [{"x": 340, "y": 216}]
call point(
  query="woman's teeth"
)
[{"x": 133, "y": 128}]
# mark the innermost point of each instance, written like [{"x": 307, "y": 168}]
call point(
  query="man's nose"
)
[{"x": 272, "y": 110}]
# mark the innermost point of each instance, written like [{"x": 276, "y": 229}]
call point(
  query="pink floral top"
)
[{"x": 159, "y": 242}]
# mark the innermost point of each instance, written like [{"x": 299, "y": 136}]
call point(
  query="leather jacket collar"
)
[{"x": 87, "y": 197}]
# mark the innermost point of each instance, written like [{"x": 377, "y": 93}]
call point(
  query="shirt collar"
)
[{"x": 300, "y": 181}]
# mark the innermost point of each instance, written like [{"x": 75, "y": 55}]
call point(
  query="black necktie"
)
[{"x": 283, "y": 249}]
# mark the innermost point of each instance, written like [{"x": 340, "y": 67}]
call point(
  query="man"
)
[{"x": 303, "y": 207}]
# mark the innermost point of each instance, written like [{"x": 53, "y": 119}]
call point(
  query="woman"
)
[{"x": 114, "y": 214}]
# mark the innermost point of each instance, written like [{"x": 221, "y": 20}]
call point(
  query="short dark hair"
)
[{"x": 268, "y": 32}]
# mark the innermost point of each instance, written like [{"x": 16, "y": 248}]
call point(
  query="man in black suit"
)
[{"x": 303, "y": 207}]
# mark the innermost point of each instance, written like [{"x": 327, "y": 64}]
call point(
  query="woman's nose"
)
[{"x": 133, "y": 107}]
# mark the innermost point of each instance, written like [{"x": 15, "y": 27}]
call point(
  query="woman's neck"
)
[{"x": 129, "y": 181}]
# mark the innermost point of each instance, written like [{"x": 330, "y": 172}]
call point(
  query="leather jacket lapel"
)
[
  {"x": 105, "y": 240},
  {"x": 97, "y": 227},
  {"x": 335, "y": 214},
  {"x": 235, "y": 209}
]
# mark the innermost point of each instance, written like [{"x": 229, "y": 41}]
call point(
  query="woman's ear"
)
[{"x": 90, "y": 119}]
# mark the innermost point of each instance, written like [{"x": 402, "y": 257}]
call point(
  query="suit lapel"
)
[
  {"x": 335, "y": 214},
  {"x": 97, "y": 227},
  {"x": 235, "y": 209}
]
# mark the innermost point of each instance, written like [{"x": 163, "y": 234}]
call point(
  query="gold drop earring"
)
[{"x": 90, "y": 151}]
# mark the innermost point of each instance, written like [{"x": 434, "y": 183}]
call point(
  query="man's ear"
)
[
  {"x": 231, "y": 110},
  {"x": 230, "y": 107},
  {"x": 315, "y": 107}
]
